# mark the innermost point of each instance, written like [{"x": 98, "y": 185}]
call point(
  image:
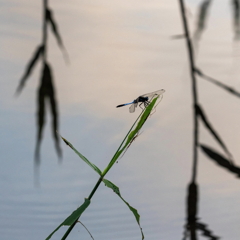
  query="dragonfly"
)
[{"x": 144, "y": 99}]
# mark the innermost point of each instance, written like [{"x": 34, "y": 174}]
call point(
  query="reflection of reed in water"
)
[
  {"x": 193, "y": 224},
  {"x": 202, "y": 18},
  {"x": 46, "y": 91},
  {"x": 203, "y": 12}
]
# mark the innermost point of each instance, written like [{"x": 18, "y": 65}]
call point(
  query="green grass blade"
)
[
  {"x": 144, "y": 115},
  {"x": 94, "y": 167},
  {"x": 133, "y": 210},
  {"x": 73, "y": 217}
]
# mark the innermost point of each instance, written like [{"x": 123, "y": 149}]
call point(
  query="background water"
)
[{"x": 118, "y": 50}]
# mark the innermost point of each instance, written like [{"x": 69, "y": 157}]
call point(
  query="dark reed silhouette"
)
[
  {"x": 218, "y": 83},
  {"x": 201, "y": 20},
  {"x": 203, "y": 13},
  {"x": 46, "y": 91},
  {"x": 193, "y": 224},
  {"x": 199, "y": 113},
  {"x": 220, "y": 160},
  {"x": 236, "y": 18}
]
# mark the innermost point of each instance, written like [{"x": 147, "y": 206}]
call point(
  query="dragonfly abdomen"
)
[{"x": 121, "y": 105}]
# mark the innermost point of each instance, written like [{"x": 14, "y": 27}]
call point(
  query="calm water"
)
[{"x": 118, "y": 51}]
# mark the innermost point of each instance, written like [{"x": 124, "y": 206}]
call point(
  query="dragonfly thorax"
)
[{"x": 140, "y": 99}]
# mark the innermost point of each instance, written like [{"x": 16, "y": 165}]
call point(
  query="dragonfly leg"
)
[
  {"x": 146, "y": 103},
  {"x": 140, "y": 105}
]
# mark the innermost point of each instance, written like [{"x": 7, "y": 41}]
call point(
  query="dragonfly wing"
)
[
  {"x": 132, "y": 107},
  {"x": 153, "y": 94},
  {"x": 159, "y": 100},
  {"x": 145, "y": 98}
]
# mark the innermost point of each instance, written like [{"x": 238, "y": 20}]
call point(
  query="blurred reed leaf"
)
[
  {"x": 236, "y": 18},
  {"x": 178, "y": 36},
  {"x": 54, "y": 26},
  {"x": 72, "y": 218},
  {"x": 133, "y": 210},
  {"x": 39, "y": 50},
  {"x": 94, "y": 167},
  {"x": 207, "y": 124},
  {"x": 218, "y": 83},
  {"x": 220, "y": 160},
  {"x": 46, "y": 95},
  {"x": 202, "y": 18},
  {"x": 86, "y": 229},
  {"x": 51, "y": 20},
  {"x": 46, "y": 92}
]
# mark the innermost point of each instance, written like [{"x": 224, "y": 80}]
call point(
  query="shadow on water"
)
[
  {"x": 193, "y": 224},
  {"x": 203, "y": 11},
  {"x": 46, "y": 92},
  {"x": 236, "y": 18},
  {"x": 47, "y": 100},
  {"x": 46, "y": 95},
  {"x": 202, "y": 17}
]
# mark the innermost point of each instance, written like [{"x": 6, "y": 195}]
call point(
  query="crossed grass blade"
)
[
  {"x": 129, "y": 138},
  {"x": 72, "y": 218},
  {"x": 133, "y": 210},
  {"x": 86, "y": 229},
  {"x": 94, "y": 167}
]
